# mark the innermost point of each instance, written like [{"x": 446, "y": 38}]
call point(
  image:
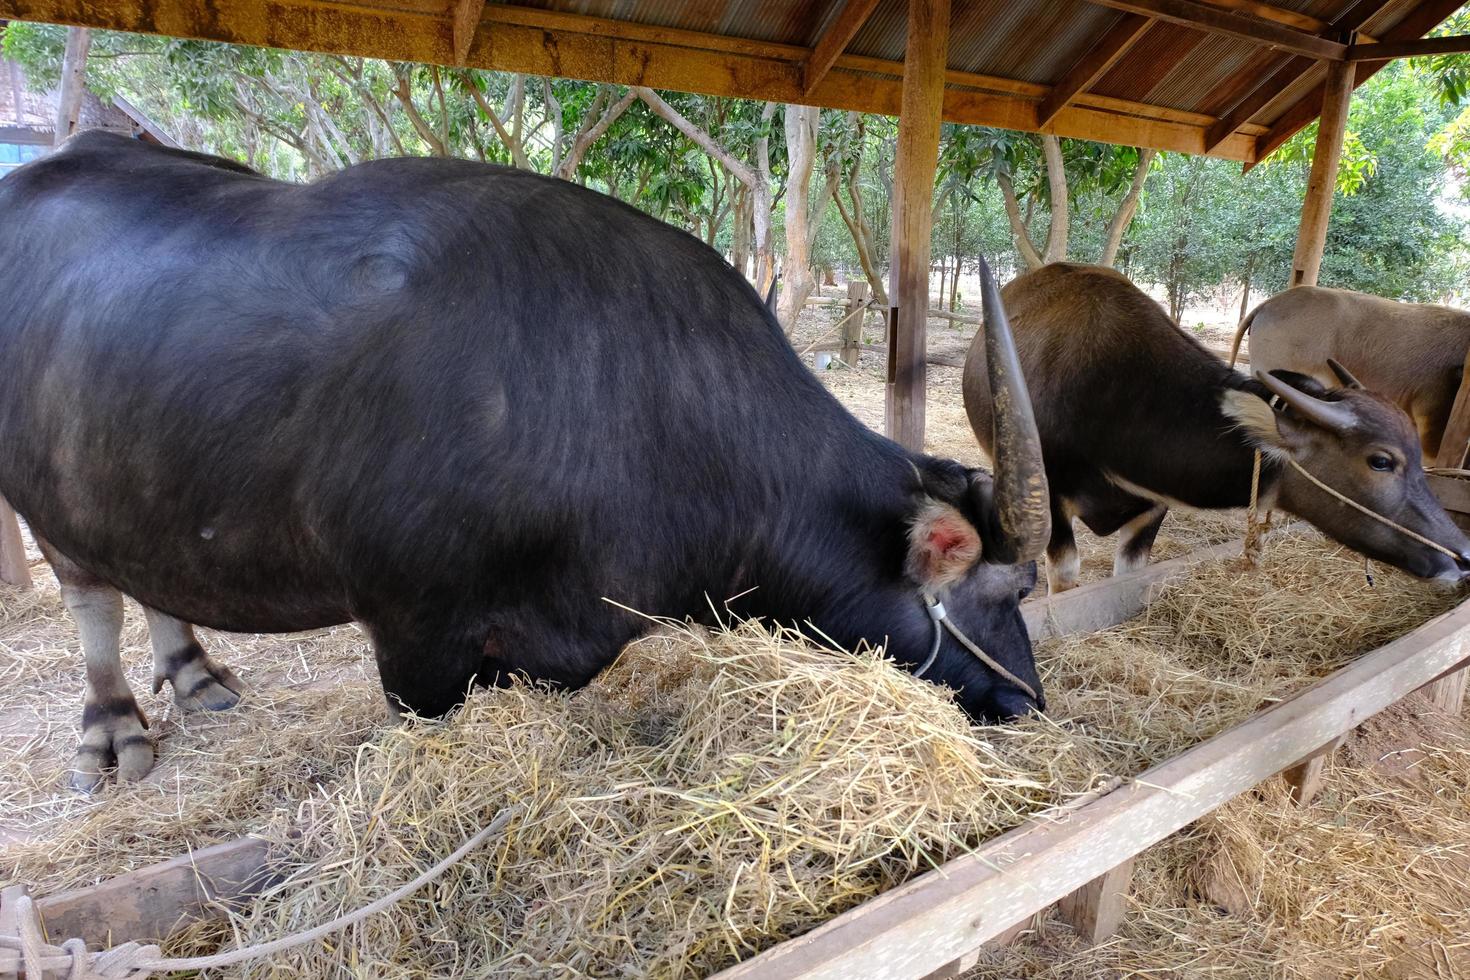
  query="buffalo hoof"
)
[
  {"x": 120, "y": 741},
  {"x": 199, "y": 682}
]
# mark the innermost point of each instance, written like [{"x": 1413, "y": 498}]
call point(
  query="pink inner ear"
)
[{"x": 945, "y": 537}]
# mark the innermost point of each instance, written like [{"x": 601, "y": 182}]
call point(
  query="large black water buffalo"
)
[
  {"x": 464, "y": 406},
  {"x": 1135, "y": 417}
]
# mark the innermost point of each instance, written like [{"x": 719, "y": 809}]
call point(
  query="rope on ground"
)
[{"x": 134, "y": 961}]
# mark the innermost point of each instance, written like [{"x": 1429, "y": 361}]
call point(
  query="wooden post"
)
[
  {"x": 918, "y": 152},
  {"x": 1305, "y": 777},
  {"x": 1448, "y": 693},
  {"x": 852, "y": 331},
  {"x": 1456, "y": 437},
  {"x": 1311, "y": 238},
  {"x": 13, "y": 567},
  {"x": 10, "y": 926},
  {"x": 1095, "y": 910}
]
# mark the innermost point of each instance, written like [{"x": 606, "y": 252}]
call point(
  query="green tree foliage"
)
[{"x": 1201, "y": 226}]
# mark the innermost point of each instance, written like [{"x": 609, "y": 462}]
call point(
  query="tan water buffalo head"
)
[{"x": 1348, "y": 442}]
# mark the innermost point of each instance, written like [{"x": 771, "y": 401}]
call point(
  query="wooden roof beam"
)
[
  {"x": 1213, "y": 19},
  {"x": 1093, "y": 65},
  {"x": 1419, "y": 21},
  {"x": 466, "y": 26},
  {"x": 1279, "y": 81},
  {"x": 834, "y": 41},
  {"x": 1424, "y": 47},
  {"x": 539, "y": 42},
  {"x": 1290, "y": 18}
]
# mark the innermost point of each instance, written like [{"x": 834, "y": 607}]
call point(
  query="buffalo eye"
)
[{"x": 1381, "y": 462}]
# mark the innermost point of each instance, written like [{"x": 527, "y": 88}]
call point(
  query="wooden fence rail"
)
[{"x": 944, "y": 916}]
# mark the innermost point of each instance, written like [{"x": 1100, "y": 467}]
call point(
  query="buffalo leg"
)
[
  {"x": 114, "y": 729},
  {"x": 1136, "y": 540},
  {"x": 1063, "y": 564},
  {"x": 198, "y": 681}
]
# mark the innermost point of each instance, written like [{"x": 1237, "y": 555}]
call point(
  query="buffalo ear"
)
[
  {"x": 1253, "y": 414},
  {"x": 943, "y": 545}
]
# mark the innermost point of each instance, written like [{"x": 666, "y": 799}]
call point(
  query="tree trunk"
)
[
  {"x": 511, "y": 141},
  {"x": 862, "y": 239},
  {"x": 590, "y": 132},
  {"x": 740, "y": 231},
  {"x": 801, "y": 151},
  {"x": 1024, "y": 245},
  {"x": 73, "y": 82},
  {"x": 1056, "y": 177},
  {"x": 1123, "y": 217},
  {"x": 1245, "y": 282},
  {"x": 403, "y": 91},
  {"x": 758, "y": 183}
]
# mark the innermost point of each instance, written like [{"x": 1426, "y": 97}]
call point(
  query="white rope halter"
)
[{"x": 941, "y": 619}]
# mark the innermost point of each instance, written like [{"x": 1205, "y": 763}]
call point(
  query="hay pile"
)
[
  {"x": 715, "y": 792},
  {"x": 1371, "y": 880},
  {"x": 712, "y": 794}
]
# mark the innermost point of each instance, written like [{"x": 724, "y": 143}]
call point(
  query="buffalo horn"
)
[
  {"x": 771, "y": 296},
  {"x": 1021, "y": 502},
  {"x": 1344, "y": 375},
  {"x": 1329, "y": 415}
]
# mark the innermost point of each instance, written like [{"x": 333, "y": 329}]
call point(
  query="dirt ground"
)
[{"x": 1259, "y": 889}]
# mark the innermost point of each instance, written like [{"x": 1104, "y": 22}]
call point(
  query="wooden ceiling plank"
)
[
  {"x": 1419, "y": 21},
  {"x": 1217, "y": 20},
  {"x": 1280, "y": 80},
  {"x": 834, "y": 40},
  {"x": 1093, "y": 65}
]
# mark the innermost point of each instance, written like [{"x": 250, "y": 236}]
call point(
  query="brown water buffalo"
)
[
  {"x": 1135, "y": 416},
  {"x": 1412, "y": 353}
]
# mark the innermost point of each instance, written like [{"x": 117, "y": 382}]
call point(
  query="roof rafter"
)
[
  {"x": 1280, "y": 80},
  {"x": 1213, "y": 19},
  {"x": 834, "y": 41},
  {"x": 1093, "y": 65},
  {"x": 466, "y": 26},
  {"x": 1418, "y": 22},
  {"x": 1454, "y": 44}
]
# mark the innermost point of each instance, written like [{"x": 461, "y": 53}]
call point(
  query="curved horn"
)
[
  {"x": 1343, "y": 375},
  {"x": 1329, "y": 415},
  {"x": 771, "y": 294},
  {"x": 1022, "y": 506}
]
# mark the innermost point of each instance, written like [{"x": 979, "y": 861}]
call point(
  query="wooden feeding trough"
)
[{"x": 1077, "y": 857}]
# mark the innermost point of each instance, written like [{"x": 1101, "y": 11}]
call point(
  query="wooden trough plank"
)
[
  {"x": 937, "y": 918},
  {"x": 146, "y": 904},
  {"x": 10, "y": 926},
  {"x": 1099, "y": 605},
  {"x": 1095, "y": 911},
  {"x": 1305, "y": 777},
  {"x": 149, "y": 904}
]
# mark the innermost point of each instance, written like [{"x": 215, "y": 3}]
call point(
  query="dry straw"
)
[{"x": 715, "y": 792}]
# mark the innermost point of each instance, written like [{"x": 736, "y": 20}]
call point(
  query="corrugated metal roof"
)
[{"x": 1022, "y": 46}]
